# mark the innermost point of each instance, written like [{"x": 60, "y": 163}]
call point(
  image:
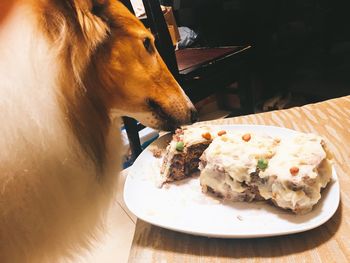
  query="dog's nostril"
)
[{"x": 194, "y": 115}]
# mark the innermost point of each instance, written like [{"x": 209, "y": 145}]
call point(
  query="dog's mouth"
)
[{"x": 168, "y": 121}]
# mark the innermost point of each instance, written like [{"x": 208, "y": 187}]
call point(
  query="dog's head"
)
[
  {"x": 141, "y": 83},
  {"x": 123, "y": 66}
]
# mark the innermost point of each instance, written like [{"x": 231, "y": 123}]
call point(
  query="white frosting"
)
[
  {"x": 230, "y": 161},
  {"x": 238, "y": 157},
  {"x": 303, "y": 151},
  {"x": 193, "y": 135}
]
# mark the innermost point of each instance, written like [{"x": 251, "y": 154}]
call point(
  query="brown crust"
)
[
  {"x": 177, "y": 167},
  {"x": 250, "y": 194},
  {"x": 211, "y": 190},
  {"x": 185, "y": 163},
  {"x": 194, "y": 152}
]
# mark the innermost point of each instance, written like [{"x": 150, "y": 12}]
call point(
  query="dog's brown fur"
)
[{"x": 77, "y": 64}]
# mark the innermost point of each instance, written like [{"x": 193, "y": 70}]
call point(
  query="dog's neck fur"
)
[
  {"x": 31, "y": 70},
  {"x": 28, "y": 73},
  {"x": 51, "y": 198}
]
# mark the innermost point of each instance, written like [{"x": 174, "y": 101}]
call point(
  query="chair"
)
[{"x": 200, "y": 71}]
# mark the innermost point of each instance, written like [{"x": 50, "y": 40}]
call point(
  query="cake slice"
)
[
  {"x": 254, "y": 166},
  {"x": 302, "y": 167},
  {"x": 182, "y": 154}
]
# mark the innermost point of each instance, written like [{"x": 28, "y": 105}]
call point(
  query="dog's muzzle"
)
[{"x": 169, "y": 120}]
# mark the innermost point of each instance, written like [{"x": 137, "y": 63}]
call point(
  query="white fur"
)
[{"x": 50, "y": 192}]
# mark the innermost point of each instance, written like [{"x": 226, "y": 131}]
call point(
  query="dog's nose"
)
[{"x": 194, "y": 115}]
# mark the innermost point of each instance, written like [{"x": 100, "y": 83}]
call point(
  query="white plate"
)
[{"x": 183, "y": 207}]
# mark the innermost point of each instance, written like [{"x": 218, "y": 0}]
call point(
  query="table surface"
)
[{"x": 327, "y": 243}]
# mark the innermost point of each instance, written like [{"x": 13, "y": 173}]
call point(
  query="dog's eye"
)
[{"x": 147, "y": 43}]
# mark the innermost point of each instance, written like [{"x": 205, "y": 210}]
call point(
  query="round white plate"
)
[{"x": 183, "y": 207}]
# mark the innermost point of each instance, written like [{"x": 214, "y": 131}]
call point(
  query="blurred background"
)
[
  {"x": 302, "y": 47},
  {"x": 300, "y": 52}
]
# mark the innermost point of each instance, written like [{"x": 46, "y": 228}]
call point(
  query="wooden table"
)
[{"x": 327, "y": 243}]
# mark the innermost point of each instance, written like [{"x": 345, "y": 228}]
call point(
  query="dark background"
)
[{"x": 300, "y": 46}]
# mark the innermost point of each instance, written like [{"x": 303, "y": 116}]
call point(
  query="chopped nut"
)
[
  {"x": 179, "y": 131},
  {"x": 206, "y": 136},
  {"x": 294, "y": 170},
  {"x": 224, "y": 138},
  {"x": 246, "y": 137},
  {"x": 176, "y": 137},
  {"x": 157, "y": 152},
  {"x": 270, "y": 154},
  {"x": 221, "y": 133}
]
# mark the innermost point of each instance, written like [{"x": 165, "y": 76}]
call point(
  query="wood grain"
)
[{"x": 327, "y": 243}]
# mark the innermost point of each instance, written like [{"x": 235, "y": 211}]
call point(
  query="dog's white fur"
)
[
  {"x": 48, "y": 186},
  {"x": 52, "y": 193}
]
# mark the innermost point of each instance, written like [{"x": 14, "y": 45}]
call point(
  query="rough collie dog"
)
[{"x": 66, "y": 67}]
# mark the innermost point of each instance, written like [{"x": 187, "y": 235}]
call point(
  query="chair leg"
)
[
  {"x": 133, "y": 136},
  {"x": 247, "y": 95}
]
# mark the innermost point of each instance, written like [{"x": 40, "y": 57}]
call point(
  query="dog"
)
[{"x": 68, "y": 68}]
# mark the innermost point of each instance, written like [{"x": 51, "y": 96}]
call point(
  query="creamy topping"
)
[
  {"x": 192, "y": 135},
  {"x": 303, "y": 151},
  {"x": 291, "y": 171},
  {"x": 237, "y": 156}
]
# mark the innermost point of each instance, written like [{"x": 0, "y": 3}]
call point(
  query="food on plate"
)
[
  {"x": 231, "y": 165},
  {"x": 247, "y": 166},
  {"x": 182, "y": 154},
  {"x": 156, "y": 151},
  {"x": 254, "y": 166}
]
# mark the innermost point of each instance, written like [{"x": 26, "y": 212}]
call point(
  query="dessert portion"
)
[
  {"x": 254, "y": 166},
  {"x": 182, "y": 154},
  {"x": 229, "y": 166}
]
